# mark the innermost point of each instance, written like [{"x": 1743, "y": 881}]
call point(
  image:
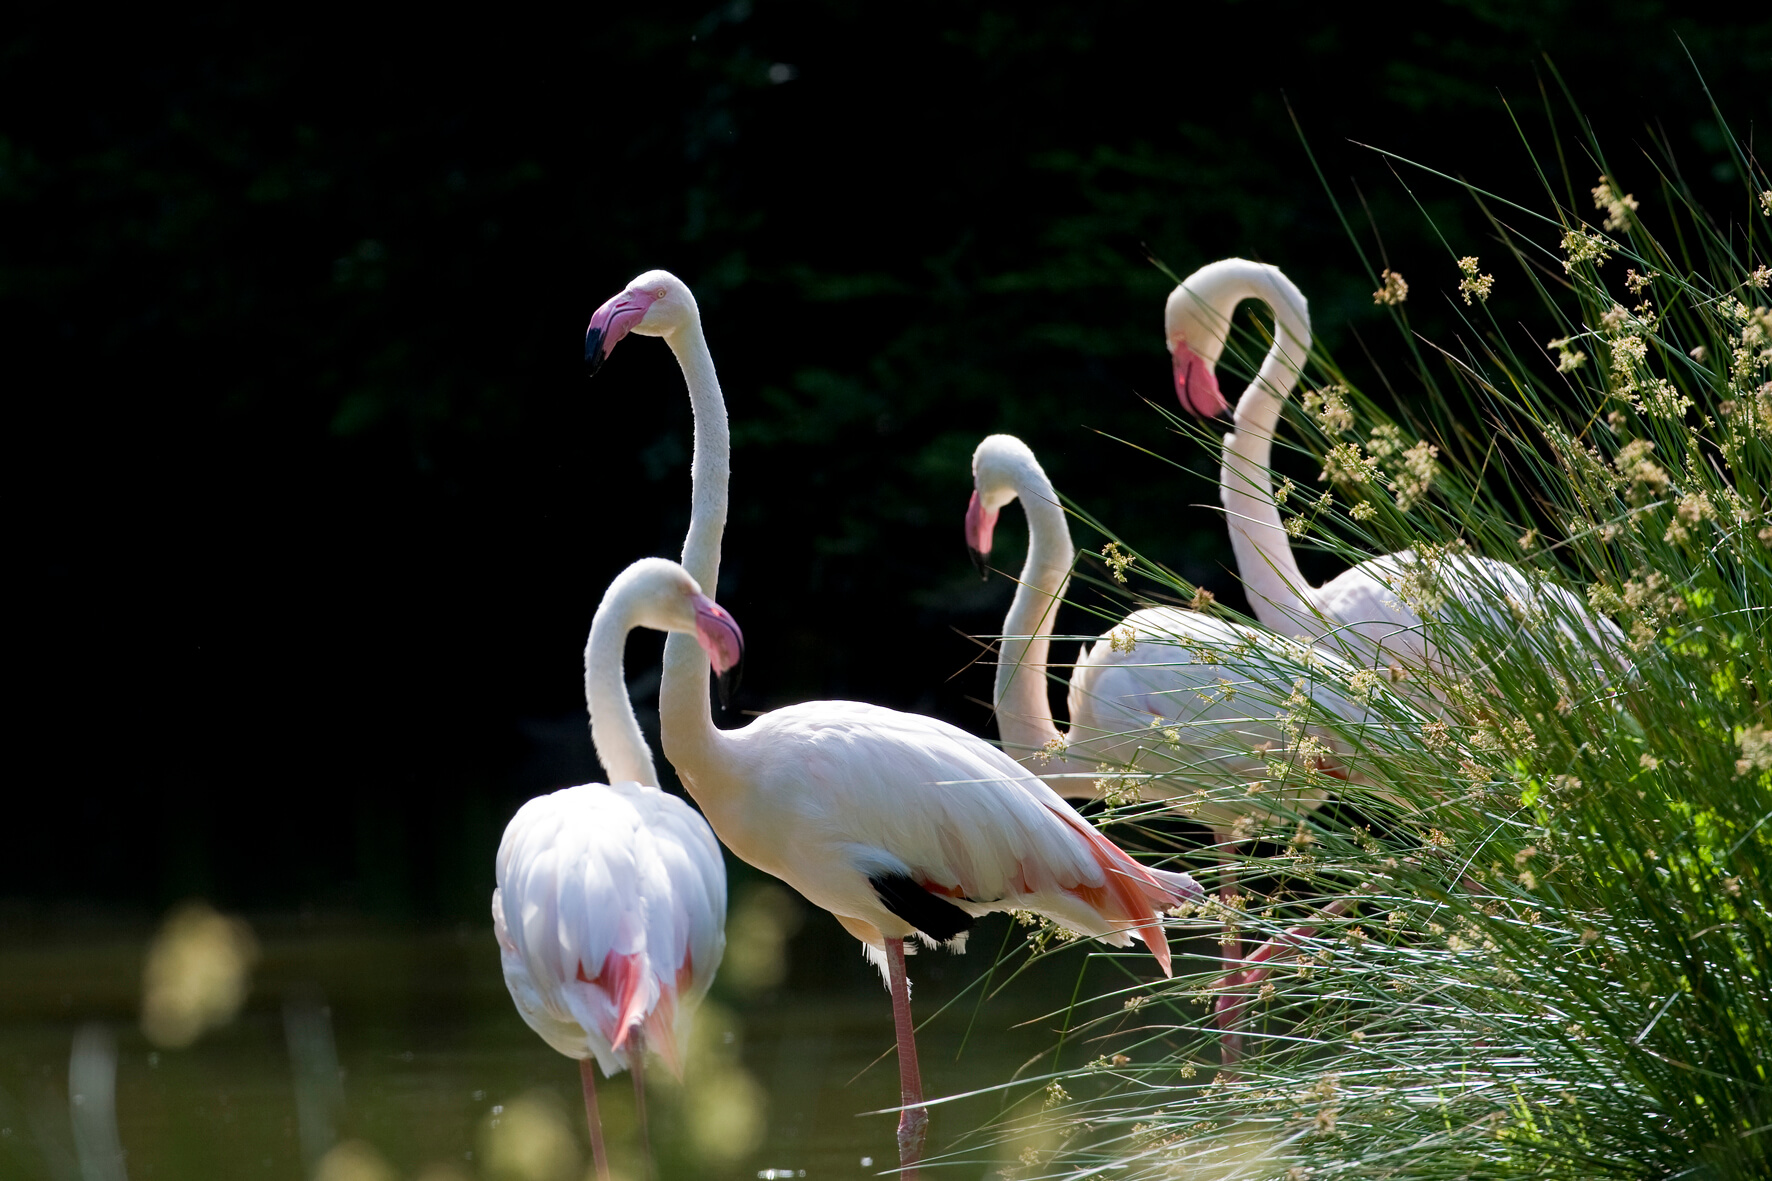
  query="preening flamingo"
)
[
  {"x": 610, "y": 908},
  {"x": 900, "y": 825},
  {"x": 1359, "y": 609},
  {"x": 1181, "y": 697}
]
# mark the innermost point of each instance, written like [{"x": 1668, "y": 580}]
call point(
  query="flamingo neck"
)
[
  {"x": 1277, "y": 591},
  {"x": 615, "y": 731},
  {"x": 1023, "y": 699},
  {"x": 686, "y": 721}
]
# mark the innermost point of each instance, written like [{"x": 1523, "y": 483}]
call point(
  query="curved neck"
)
[
  {"x": 1022, "y": 697},
  {"x": 685, "y": 718},
  {"x": 615, "y": 731},
  {"x": 1277, "y": 591}
]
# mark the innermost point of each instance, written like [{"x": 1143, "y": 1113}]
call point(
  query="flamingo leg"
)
[
  {"x": 1230, "y": 1005},
  {"x": 587, "y": 1068},
  {"x": 1258, "y": 968},
  {"x": 913, "y": 1121},
  {"x": 637, "y": 1068}
]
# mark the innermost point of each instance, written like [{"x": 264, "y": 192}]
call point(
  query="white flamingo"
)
[
  {"x": 610, "y": 908},
  {"x": 1179, "y": 696},
  {"x": 900, "y": 825},
  {"x": 1359, "y": 609}
]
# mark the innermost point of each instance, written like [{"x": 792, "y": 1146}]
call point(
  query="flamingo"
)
[
  {"x": 1360, "y": 608},
  {"x": 1168, "y": 692},
  {"x": 902, "y": 826},
  {"x": 611, "y": 900}
]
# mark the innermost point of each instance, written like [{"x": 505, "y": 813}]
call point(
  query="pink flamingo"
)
[
  {"x": 611, "y": 900},
  {"x": 900, "y": 825},
  {"x": 1181, "y": 696},
  {"x": 1359, "y": 609}
]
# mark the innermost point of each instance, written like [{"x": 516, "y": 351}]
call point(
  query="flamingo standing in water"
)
[
  {"x": 610, "y": 907},
  {"x": 900, "y": 825},
  {"x": 1359, "y": 608},
  {"x": 1177, "y": 695}
]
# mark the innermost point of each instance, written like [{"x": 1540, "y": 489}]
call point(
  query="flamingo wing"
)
[{"x": 904, "y": 821}]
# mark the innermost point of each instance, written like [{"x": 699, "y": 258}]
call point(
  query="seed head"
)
[
  {"x": 1580, "y": 247},
  {"x": 1393, "y": 289},
  {"x": 1117, "y": 562},
  {"x": 1473, "y": 283},
  {"x": 1620, "y": 208},
  {"x": 1569, "y": 358},
  {"x": 1329, "y": 407}
]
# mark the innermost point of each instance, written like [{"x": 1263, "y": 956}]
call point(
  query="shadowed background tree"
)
[{"x": 313, "y": 499}]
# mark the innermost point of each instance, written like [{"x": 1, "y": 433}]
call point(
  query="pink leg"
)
[
  {"x": 587, "y": 1068},
  {"x": 913, "y": 1122},
  {"x": 1229, "y": 1004},
  {"x": 637, "y": 1068},
  {"x": 1256, "y": 969}
]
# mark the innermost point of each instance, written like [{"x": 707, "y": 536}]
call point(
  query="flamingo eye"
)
[{"x": 659, "y": 294}]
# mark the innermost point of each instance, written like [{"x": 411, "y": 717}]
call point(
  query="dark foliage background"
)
[{"x": 313, "y": 502}]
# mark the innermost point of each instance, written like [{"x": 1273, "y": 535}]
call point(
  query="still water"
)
[{"x": 378, "y": 1052}]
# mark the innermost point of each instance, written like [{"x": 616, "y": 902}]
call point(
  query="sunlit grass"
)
[{"x": 1557, "y": 963}]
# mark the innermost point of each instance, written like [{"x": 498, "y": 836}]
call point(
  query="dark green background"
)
[{"x": 312, "y": 501}]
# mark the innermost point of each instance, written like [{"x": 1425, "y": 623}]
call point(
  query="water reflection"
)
[
  {"x": 314, "y": 1071},
  {"x": 529, "y": 1139},
  {"x": 92, "y": 1103},
  {"x": 354, "y": 1160},
  {"x": 366, "y": 1053}
]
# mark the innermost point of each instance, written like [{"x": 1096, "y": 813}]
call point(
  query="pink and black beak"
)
[
  {"x": 1196, "y": 384},
  {"x": 610, "y": 323},
  {"x": 980, "y": 522},
  {"x": 717, "y": 633}
]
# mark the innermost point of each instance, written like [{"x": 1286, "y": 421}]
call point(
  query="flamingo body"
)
[
  {"x": 609, "y": 913},
  {"x": 902, "y": 825},
  {"x": 1186, "y": 706},
  {"x": 1182, "y": 697}
]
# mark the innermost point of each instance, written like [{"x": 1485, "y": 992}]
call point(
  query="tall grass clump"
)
[{"x": 1541, "y": 941}]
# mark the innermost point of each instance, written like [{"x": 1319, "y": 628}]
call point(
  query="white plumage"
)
[
  {"x": 1195, "y": 700},
  {"x": 610, "y": 905},
  {"x": 609, "y": 914}
]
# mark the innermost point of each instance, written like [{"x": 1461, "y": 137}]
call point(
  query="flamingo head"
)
[
  {"x": 654, "y": 304},
  {"x": 1195, "y": 335},
  {"x": 662, "y": 595},
  {"x": 717, "y": 633},
  {"x": 997, "y": 475}
]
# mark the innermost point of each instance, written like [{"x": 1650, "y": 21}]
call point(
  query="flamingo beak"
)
[
  {"x": 611, "y": 322},
  {"x": 1195, "y": 383},
  {"x": 980, "y": 521},
  {"x": 717, "y": 633}
]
